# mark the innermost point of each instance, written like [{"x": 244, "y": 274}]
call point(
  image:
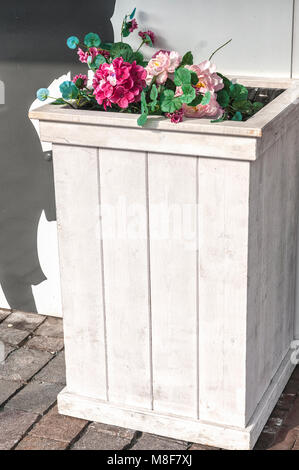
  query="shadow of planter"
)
[{"x": 35, "y": 53}]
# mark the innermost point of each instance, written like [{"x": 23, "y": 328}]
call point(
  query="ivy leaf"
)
[
  {"x": 121, "y": 49},
  {"x": 237, "y": 116},
  {"x": 189, "y": 94},
  {"x": 170, "y": 103},
  {"x": 182, "y": 77},
  {"x": 223, "y": 98},
  {"x": 144, "y": 108},
  {"x": 221, "y": 119},
  {"x": 187, "y": 59},
  {"x": 243, "y": 105},
  {"x": 227, "y": 83},
  {"x": 132, "y": 14},
  {"x": 154, "y": 93},
  {"x": 206, "y": 98}
]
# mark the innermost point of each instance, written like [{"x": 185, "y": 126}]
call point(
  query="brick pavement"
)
[{"x": 33, "y": 374}]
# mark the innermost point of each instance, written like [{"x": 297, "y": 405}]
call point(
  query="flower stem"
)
[
  {"x": 223, "y": 45},
  {"x": 143, "y": 42}
]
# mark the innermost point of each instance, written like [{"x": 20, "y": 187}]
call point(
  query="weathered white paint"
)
[
  {"x": 177, "y": 323},
  {"x": 295, "y": 65}
]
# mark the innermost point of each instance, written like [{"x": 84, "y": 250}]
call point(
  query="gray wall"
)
[{"x": 33, "y": 53}]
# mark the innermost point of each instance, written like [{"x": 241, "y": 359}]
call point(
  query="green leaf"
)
[
  {"x": 243, "y": 105},
  {"x": 170, "y": 103},
  {"x": 58, "y": 102},
  {"x": 142, "y": 119},
  {"x": 194, "y": 78},
  {"x": 121, "y": 49},
  {"x": 144, "y": 108},
  {"x": 237, "y": 116},
  {"x": 92, "y": 40},
  {"x": 223, "y": 118},
  {"x": 107, "y": 46},
  {"x": 226, "y": 82},
  {"x": 257, "y": 106},
  {"x": 154, "y": 93},
  {"x": 196, "y": 101},
  {"x": 206, "y": 98},
  {"x": 238, "y": 92},
  {"x": 223, "y": 98},
  {"x": 69, "y": 90},
  {"x": 187, "y": 59},
  {"x": 99, "y": 60},
  {"x": 148, "y": 40},
  {"x": 126, "y": 30},
  {"x": 133, "y": 14},
  {"x": 182, "y": 77},
  {"x": 138, "y": 57},
  {"x": 170, "y": 85},
  {"x": 189, "y": 94}
]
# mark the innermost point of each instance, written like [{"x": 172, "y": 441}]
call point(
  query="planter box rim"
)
[{"x": 282, "y": 106}]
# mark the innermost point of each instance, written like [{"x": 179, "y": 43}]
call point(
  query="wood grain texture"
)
[
  {"x": 76, "y": 187},
  {"x": 173, "y": 245},
  {"x": 223, "y": 231},
  {"x": 124, "y": 223}
]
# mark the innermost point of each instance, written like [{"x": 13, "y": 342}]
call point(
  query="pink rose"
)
[
  {"x": 162, "y": 64},
  {"x": 207, "y": 76}
]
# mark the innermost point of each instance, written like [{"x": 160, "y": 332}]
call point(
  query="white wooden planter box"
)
[{"x": 182, "y": 329}]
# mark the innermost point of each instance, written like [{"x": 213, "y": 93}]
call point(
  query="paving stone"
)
[
  {"x": 8, "y": 388},
  {"x": 12, "y": 336},
  {"x": 25, "y": 321},
  {"x": 38, "y": 443},
  {"x": 54, "y": 372},
  {"x": 4, "y": 314},
  {"x": 202, "y": 447},
  {"x": 51, "y": 327},
  {"x": 35, "y": 397},
  {"x": 58, "y": 427},
  {"x": 285, "y": 439},
  {"x": 13, "y": 425},
  {"x": 23, "y": 363},
  {"x": 45, "y": 343},
  {"x": 153, "y": 442},
  {"x": 104, "y": 437}
]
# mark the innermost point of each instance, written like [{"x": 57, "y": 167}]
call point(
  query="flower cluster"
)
[
  {"x": 119, "y": 83},
  {"x": 169, "y": 85}
]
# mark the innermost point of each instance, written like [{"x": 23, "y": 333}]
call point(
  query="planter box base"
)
[{"x": 201, "y": 432}]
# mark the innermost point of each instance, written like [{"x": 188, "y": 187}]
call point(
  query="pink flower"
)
[
  {"x": 208, "y": 80},
  {"x": 177, "y": 116},
  {"x": 82, "y": 77},
  {"x": 134, "y": 25},
  {"x": 149, "y": 33},
  {"x": 210, "y": 110},
  {"x": 83, "y": 56},
  {"x": 207, "y": 76},
  {"x": 161, "y": 65},
  {"x": 119, "y": 83}
]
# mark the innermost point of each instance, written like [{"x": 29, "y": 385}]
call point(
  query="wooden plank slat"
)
[
  {"x": 172, "y": 216},
  {"x": 76, "y": 186},
  {"x": 124, "y": 224}
]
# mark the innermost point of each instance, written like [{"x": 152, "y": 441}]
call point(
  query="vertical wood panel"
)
[
  {"x": 172, "y": 203},
  {"x": 123, "y": 190},
  {"x": 223, "y": 222},
  {"x": 76, "y": 185}
]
